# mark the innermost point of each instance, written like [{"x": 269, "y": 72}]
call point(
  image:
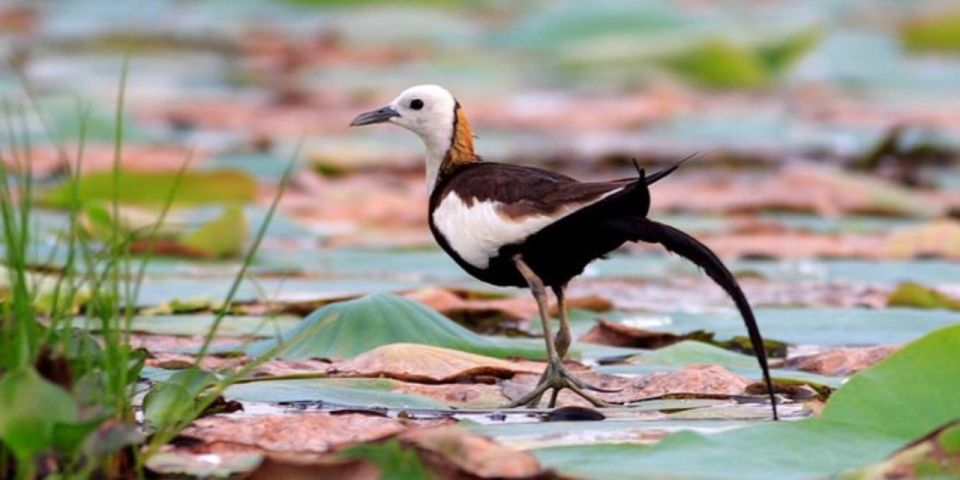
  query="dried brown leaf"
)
[
  {"x": 616, "y": 334},
  {"x": 841, "y": 361},
  {"x": 694, "y": 379},
  {"x": 699, "y": 379},
  {"x": 518, "y": 308},
  {"x": 460, "y": 395},
  {"x": 425, "y": 363},
  {"x": 455, "y": 453},
  {"x": 303, "y": 432}
]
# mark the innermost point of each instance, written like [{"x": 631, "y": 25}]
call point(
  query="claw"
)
[{"x": 556, "y": 378}]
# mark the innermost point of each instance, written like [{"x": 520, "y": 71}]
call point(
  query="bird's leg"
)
[
  {"x": 563, "y": 340},
  {"x": 556, "y": 377}
]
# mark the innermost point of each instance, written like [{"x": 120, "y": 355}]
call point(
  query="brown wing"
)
[{"x": 525, "y": 191}]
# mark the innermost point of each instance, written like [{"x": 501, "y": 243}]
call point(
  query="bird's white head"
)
[{"x": 431, "y": 112}]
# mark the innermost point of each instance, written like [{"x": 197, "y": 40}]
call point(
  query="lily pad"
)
[
  {"x": 556, "y": 434},
  {"x": 821, "y": 326},
  {"x": 358, "y": 392},
  {"x": 347, "y": 329},
  {"x": 31, "y": 409},
  {"x": 935, "y": 456},
  {"x": 874, "y": 414}
]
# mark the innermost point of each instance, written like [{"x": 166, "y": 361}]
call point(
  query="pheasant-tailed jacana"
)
[{"x": 518, "y": 226}]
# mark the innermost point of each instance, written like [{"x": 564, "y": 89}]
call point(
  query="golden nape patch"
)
[{"x": 461, "y": 145}]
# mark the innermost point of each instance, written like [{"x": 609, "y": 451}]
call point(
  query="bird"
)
[{"x": 520, "y": 226}]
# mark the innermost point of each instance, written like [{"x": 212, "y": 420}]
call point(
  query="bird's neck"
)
[{"x": 444, "y": 157}]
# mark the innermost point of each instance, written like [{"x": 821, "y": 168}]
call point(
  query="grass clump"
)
[{"x": 67, "y": 397}]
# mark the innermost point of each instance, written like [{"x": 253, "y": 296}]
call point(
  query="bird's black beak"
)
[{"x": 375, "y": 116}]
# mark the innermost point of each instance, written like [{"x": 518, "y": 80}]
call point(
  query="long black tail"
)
[{"x": 676, "y": 241}]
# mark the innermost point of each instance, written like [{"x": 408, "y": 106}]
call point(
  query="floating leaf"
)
[
  {"x": 358, "y": 392},
  {"x": 198, "y": 325},
  {"x": 693, "y": 352},
  {"x": 347, "y": 329},
  {"x": 31, "y": 408},
  {"x": 177, "y": 397},
  {"x": 822, "y": 326},
  {"x": 395, "y": 461},
  {"x": 841, "y": 360},
  {"x": 606, "y": 332},
  {"x": 222, "y": 237},
  {"x": 936, "y": 455},
  {"x": 867, "y": 419},
  {"x": 918, "y": 296},
  {"x": 780, "y": 55},
  {"x": 308, "y": 432},
  {"x": 688, "y": 353},
  {"x": 470, "y": 455},
  {"x": 153, "y": 188},
  {"x": 718, "y": 63},
  {"x": 423, "y": 363},
  {"x": 933, "y": 33}
]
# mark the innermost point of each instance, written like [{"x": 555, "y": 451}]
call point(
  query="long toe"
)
[
  {"x": 557, "y": 378},
  {"x": 584, "y": 385}
]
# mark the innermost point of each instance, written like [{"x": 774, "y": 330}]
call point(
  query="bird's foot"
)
[{"x": 555, "y": 378}]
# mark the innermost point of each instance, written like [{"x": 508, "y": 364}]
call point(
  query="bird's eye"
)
[{"x": 416, "y": 104}]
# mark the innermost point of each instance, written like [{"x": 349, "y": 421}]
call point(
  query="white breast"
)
[{"x": 478, "y": 231}]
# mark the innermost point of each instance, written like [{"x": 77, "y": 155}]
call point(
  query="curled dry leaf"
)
[
  {"x": 424, "y": 363},
  {"x": 841, "y": 361},
  {"x": 699, "y": 379},
  {"x": 303, "y": 433},
  {"x": 519, "y": 309},
  {"x": 452, "y": 452},
  {"x": 616, "y": 334}
]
